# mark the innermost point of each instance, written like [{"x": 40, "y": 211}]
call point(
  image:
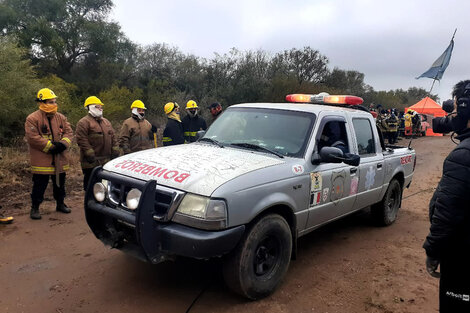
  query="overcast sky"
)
[{"x": 391, "y": 42}]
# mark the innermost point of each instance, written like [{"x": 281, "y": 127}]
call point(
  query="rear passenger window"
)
[{"x": 364, "y": 136}]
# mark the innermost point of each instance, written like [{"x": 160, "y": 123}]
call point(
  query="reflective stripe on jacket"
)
[
  {"x": 96, "y": 138},
  {"x": 41, "y": 130},
  {"x": 135, "y": 135}
]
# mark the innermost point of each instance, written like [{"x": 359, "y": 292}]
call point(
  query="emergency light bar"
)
[{"x": 324, "y": 98}]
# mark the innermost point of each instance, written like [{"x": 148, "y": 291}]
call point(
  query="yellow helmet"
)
[
  {"x": 92, "y": 100},
  {"x": 138, "y": 104},
  {"x": 169, "y": 107},
  {"x": 191, "y": 105},
  {"x": 45, "y": 94}
]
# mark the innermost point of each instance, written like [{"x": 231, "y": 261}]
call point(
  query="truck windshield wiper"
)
[
  {"x": 212, "y": 141},
  {"x": 256, "y": 147}
]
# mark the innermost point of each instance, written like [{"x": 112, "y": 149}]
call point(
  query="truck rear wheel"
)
[
  {"x": 385, "y": 212},
  {"x": 261, "y": 259}
]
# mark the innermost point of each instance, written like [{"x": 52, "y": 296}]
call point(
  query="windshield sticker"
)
[
  {"x": 337, "y": 185},
  {"x": 315, "y": 198},
  {"x": 354, "y": 183},
  {"x": 326, "y": 192},
  {"x": 370, "y": 178},
  {"x": 297, "y": 169},
  {"x": 316, "y": 182}
]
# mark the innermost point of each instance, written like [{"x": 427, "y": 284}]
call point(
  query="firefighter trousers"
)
[{"x": 40, "y": 182}]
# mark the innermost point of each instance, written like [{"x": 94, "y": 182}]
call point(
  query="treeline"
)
[{"x": 71, "y": 47}]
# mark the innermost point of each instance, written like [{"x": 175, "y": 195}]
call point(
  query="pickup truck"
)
[{"x": 263, "y": 175}]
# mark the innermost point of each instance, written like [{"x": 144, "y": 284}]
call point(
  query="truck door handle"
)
[
  {"x": 379, "y": 165},
  {"x": 353, "y": 170}
]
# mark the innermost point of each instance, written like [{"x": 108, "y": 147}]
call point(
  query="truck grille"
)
[{"x": 166, "y": 199}]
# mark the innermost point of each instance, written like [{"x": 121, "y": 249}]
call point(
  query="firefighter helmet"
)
[
  {"x": 45, "y": 94},
  {"x": 191, "y": 105},
  {"x": 92, "y": 100},
  {"x": 138, "y": 104}
]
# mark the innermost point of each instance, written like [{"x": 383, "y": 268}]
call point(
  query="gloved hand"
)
[
  {"x": 154, "y": 129},
  {"x": 59, "y": 146},
  {"x": 53, "y": 149},
  {"x": 90, "y": 158},
  {"x": 431, "y": 267}
]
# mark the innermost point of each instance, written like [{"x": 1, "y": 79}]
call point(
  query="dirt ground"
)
[{"x": 57, "y": 265}]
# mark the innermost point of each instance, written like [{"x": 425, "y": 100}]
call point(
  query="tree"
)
[
  {"x": 18, "y": 88},
  {"x": 60, "y": 33},
  {"x": 349, "y": 82}
]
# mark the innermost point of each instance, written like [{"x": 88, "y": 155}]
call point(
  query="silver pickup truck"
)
[{"x": 262, "y": 175}]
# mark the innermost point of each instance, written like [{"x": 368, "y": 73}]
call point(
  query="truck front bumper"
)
[{"x": 141, "y": 235}]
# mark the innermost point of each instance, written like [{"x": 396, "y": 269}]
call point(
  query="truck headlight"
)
[
  {"x": 99, "y": 191},
  {"x": 133, "y": 198},
  {"x": 202, "y": 212}
]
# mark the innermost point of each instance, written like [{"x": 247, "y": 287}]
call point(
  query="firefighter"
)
[
  {"x": 449, "y": 235},
  {"x": 401, "y": 124},
  {"x": 215, "y": 109},
  {"x": 49, "y": 135},
  {"x": 173, "y": 132},
  {"x": 96, "y": 138},
  {"x": 408, "y": 123},
  {"x": 136, "y": 132},
  {"x": 380, "y": 121},
  {"x": 192, "y": 122},
  {"x": 392, "y": 124}
]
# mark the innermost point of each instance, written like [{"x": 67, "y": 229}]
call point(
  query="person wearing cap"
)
[
  {"x": 95, "y": 138},
  {"x": 173, "y": 132},
  {"x": 49, "y": 135},
  {"x": 136, "y": 132},
  {"x": 215, "y": 109},
  {"x": 192, "y": 122}
]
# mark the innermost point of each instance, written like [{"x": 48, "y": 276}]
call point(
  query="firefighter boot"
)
[
  {"x": 62, "y": 207},
  {"x": 34, "y": 214}
]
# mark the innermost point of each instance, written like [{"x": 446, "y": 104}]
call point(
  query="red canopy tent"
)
[{"x": 429, "y": 107}]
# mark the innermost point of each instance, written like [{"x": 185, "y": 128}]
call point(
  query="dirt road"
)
[{"x": 56, "y": 264}]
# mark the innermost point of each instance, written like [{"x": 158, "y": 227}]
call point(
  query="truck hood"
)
[{"x": 197, "y": 168}]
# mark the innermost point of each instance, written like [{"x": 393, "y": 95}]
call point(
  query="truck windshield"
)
[{"x": 281, "y": 131}]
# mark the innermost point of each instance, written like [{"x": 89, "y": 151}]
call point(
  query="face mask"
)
[
  {"x": 192, "y": 113},
  {"x": 95, "y": 111},
  {"x": 140, "y": 116},
  {"x": 48, "y": 108}
]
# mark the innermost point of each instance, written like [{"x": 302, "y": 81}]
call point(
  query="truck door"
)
[
  {"x": 371, "y": 169},
  {"x": 330, "y": 194}
]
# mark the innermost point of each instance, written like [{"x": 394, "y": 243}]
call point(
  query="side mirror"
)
[
  {"x": 336, "y": 155},
  {"x": 200, "y": 134}
]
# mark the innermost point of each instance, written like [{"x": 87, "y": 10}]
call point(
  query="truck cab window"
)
[
  {"x": 334, "y": 135},
  {"x": 364, "y": 136}
]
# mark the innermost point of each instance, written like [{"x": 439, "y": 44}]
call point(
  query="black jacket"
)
[
  {"x": 449, "y": 209},
  {"x": 173, "y": 133},
  {"x": 191, "y": 125}
]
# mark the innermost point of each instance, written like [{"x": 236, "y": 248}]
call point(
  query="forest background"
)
[{"x": 72, "y": 47}]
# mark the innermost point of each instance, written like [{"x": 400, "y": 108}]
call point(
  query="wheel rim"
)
[
  {"x": 266, "y": 256},
  {"x": 393, "y": 202}
]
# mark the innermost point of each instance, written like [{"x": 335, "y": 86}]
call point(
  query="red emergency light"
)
[{"x": 324, "y": 98}]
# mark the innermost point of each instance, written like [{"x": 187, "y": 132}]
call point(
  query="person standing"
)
[
  {"x": 49, "y": 135},
  {"x": 173, "y": 132},
  {"x": 96, "y": 138},
  {"x": 215, "y": 109},
  {"x": 392, "y": 125},
  {"x": 448, "y": 240},
  {"x": 192, "y": 122},
  {"x": 136, "y": 132}
]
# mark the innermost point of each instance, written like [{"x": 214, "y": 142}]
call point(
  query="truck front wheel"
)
[
  {"x": 260, "y": 261},
  {"x": 385, "y": 212}
]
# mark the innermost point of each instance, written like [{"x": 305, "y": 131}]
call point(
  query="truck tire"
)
[
  {"x": 385, "y": 212},
  {"x": 259, "y": 262}
]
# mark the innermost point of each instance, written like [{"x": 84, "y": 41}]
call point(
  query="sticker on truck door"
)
[
  {"x": 316, "y": 182},
  {"x": 337, "y": 185}
]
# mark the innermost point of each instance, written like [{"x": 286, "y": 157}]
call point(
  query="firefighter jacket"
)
[
  {"x": 135, "y": 135},
  {"x": 392, "y": 123},
  {"x": 41, "y": 130},
  {"x": 97, "y": 140},
  {"x": 449, "y": 209},
  {"x": 173, "y": 133},
  {"x": 381, "y": 124},
  {"x": 191, "y": 125},
  {"x": 408, "y": 122}
]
